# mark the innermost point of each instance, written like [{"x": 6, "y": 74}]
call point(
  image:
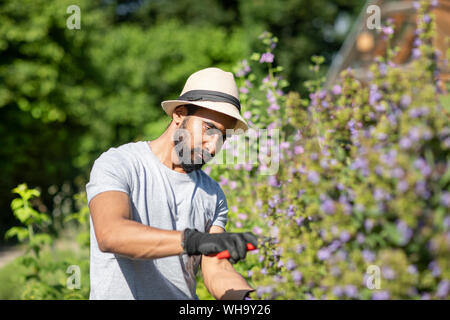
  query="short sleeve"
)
[
  {"x": 220, "y": 217},
  {"x": 109, "y": 173}
]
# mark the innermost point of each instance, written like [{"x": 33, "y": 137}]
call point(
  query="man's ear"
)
[{"x": 179, "y": 114}]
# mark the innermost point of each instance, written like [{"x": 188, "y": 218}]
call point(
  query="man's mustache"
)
[{"x": 205, "y": 155}]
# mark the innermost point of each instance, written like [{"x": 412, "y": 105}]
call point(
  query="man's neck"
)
[{"x": 163, "y": 147}]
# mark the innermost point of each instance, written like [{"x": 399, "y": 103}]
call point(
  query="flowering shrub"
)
[{"x": 363, "y": 180}]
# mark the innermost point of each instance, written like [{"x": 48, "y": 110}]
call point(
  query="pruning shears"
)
[{"x": 250, "y": 247}]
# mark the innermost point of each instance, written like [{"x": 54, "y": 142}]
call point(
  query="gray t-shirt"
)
[{"x": 162, "y": 198}]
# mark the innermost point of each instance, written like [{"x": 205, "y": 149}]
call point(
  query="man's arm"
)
[
  {"x": 117, "y": 233},
  {"x": 219, "y": 275}
]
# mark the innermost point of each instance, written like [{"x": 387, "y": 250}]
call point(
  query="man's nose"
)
[{"x": 212, "y": 144}]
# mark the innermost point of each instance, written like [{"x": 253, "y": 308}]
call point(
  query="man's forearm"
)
[
  {"x": 224, "y": 279},
  {"x": 137, "y": 241}
]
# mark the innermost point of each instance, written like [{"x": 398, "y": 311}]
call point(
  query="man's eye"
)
[{"x": 209, "y": 131}]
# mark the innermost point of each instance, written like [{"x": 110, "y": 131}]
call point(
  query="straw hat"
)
[{"x": 214, "y": 89}]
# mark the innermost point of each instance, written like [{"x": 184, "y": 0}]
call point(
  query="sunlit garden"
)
[{"x": 351, "y": 181}]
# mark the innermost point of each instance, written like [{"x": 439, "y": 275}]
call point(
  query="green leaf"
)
[
  {"x": 255, "y": 56},
  {"x": 20, "y": 232}
]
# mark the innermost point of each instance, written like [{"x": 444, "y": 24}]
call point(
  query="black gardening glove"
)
[{"x": 196, "y": 242}]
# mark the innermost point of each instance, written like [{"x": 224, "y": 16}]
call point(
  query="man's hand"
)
[{"x": 196, "y": 242}]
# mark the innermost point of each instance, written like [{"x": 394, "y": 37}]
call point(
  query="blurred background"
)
[{"x": 67, "y": 95}]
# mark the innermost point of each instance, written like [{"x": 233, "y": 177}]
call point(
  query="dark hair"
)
[{"x": 191, "y": 109}]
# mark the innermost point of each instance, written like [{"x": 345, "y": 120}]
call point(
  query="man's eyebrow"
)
[{"x": 213, "y": 126}]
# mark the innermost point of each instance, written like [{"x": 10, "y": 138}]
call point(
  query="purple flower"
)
[
  {"x": 445, "y": 199},
  {"x": 336, "y": 89},
  {"x": 380, "y": 295},
  {"x": 350, "y": 291},
  {"x": 405, "y": 100},
  {"x": 402, "y": 186},
  {"x": 246, "y": 69},
  {"x": 422, "y": 165},
  {"x": 290, "y": 265},
  {"x": 421, "y": 189},
  {"x": 426, "y": 18},
  {"x": 334, "y": 245},
  {"x": 247, "y": 115},
  {"x": 412, "y": 269},
  {"x": 257, "y": 230},
  {"x": 388, "y": 30},
  {"x": 435, "y": 270},
  {"x": 297, "y": 276},
  {"x": 291, "y": 211},
  {"x": 416, "y": 53},
  {"x": 223, "y": 181},
  {"x": 405, "y": 232},
  {"x": 344, "y": 236},
  {"x": 360, "y": 238},
  {"x": 388, "y": 273},
  {"x": 274, "y": 107},
  {"x": 337, "y": 291},
  {"x": 374, "y": 94},
  {"x": 243, "y": 90},
  {"x": 328, "y": 206},
  {"x": 335, "y": 271},
  {"x": 266, "y": 57},
  {"x": 260, "y": 291},
  {"x": 242, "y": 216},
  {"x": 323, "y": 254},
  {"x": 443, "y": 289},
  {"x": 382, "y": 67},
  {"x": 405, "y": 143},
  {"x": 417, "y": 42},
  {"x": 298, "y": 150},
  {"x": 418, "y": 112},
  {"x": 380, "y": 194},
  {"x": 368, "y": 255},
  {"x": 313, "y": 177},
  {"x": 299, "y": 221},
  {"x": 273, "y": 181},
  {"x": 397, "y": 173},
  {"x": 259, "y": 203},
  {"x": 380, "y": 107},
  {"x": 321, "y": 94}
]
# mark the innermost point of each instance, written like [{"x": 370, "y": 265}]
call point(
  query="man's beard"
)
[{"x": 190, "y": 165}]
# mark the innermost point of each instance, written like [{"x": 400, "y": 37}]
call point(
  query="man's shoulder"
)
[{"x": 125, "y": 153}]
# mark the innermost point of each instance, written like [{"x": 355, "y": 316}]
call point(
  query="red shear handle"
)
[{"x": 226, "y": 255}]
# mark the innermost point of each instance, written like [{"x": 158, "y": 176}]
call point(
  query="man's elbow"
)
[{"x": 105, "y": 242}]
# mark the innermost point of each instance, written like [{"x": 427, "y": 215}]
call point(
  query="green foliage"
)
[
  {"x": 42, "y": 270},
  {"x": 68, "y": 95},
  {"x": 363, "y": 181}
]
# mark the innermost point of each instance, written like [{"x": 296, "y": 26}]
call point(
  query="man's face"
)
[{"x": 199, "y": 137}]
